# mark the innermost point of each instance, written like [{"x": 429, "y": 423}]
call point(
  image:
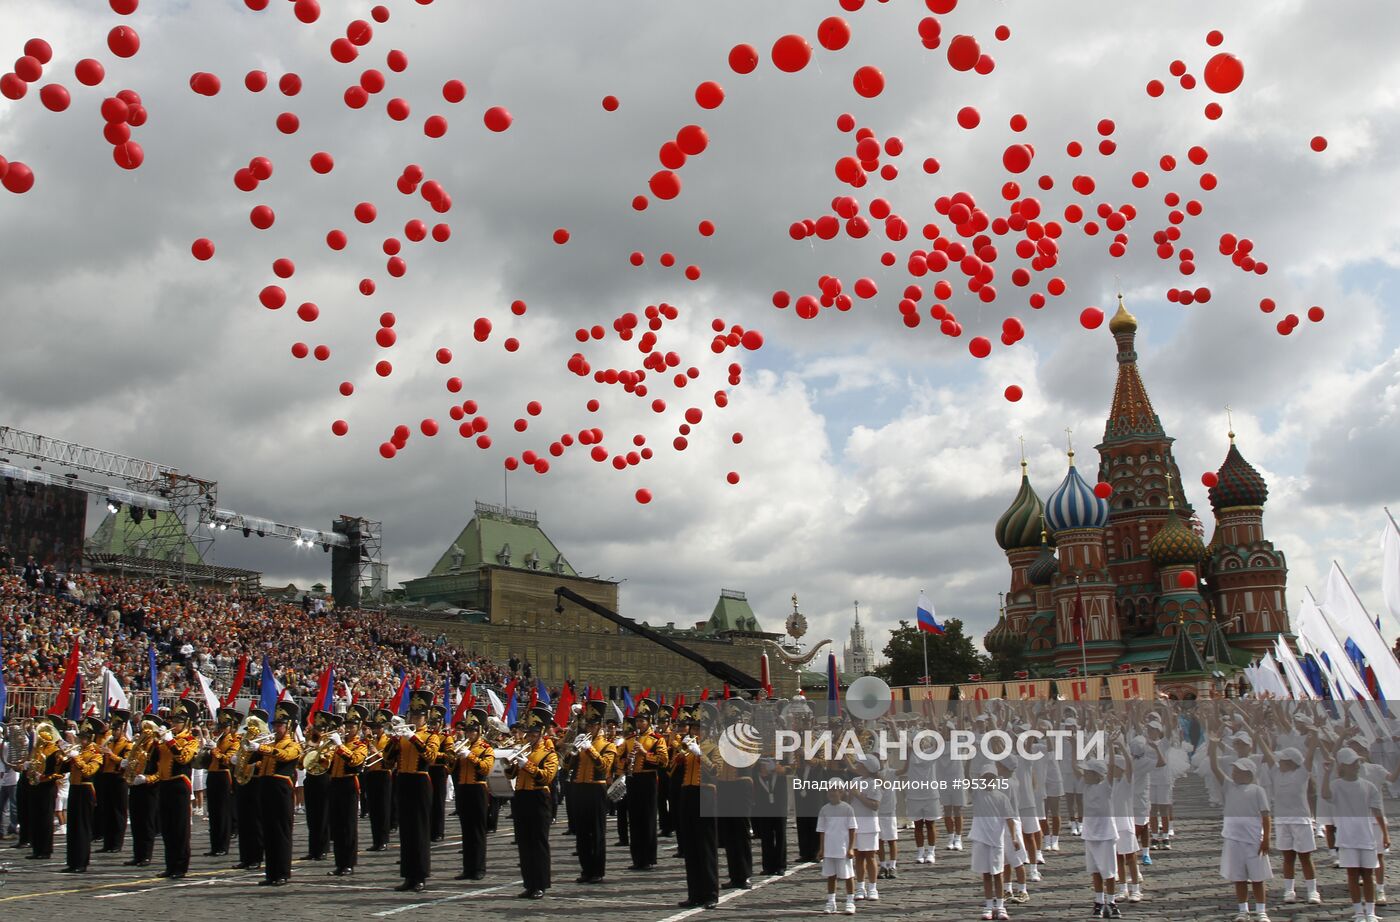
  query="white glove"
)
[
  {"x": 125, "y": 762},
  {"x": 335, "y": 740},
  {"x": 167, "y": 737},
  {"x": 406, "y": 732},
  {"x": 694, "y": 748},
  {"x": 582, "y": 743},
  {"x": 139, "y": 779}
]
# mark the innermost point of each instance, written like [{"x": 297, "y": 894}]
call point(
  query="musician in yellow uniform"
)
[
  {"x": 276, "y": 776},
  {"x": 472, "y": 759},
  {"x": 379, "y": 781},
  {"x": 83, "y": 765},
  {"x": 247, "y": 787},
  {"x": 644, "y": 755},
  {"x": 734, "y": 789},
  {"x": 439, "y": 770},
  {"x": 412, "y": 749},
  {"x": 665, "y": 818},
  {"x": 44, "y": 768},
  {"x": 315, "y": 790},
  {"x": 670, "y": 778},
  {"x": 218, "y": 782},
  {"x": 533, "y": 770},
  {"x": 700, "y": 762},
  {"x": 343, "y": 804},
  {"x": 109, "y": 813},
  {"x": 174, "y": 754},
  {"x": 140, "y": 765},
  {"x": 588, "y": 806}
]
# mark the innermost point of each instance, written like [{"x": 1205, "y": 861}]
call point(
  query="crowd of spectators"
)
[{"x": 117, "y": 620}]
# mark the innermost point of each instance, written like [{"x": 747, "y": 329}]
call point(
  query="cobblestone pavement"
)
[{"x": 1183, "y": 883}]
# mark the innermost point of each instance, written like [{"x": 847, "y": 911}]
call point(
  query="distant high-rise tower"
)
[{"x": 858, "y": 657}]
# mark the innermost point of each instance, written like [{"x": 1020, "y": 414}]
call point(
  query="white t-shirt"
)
[
  {"x": 889, "y": 795},
  {"x": 835, "y": 822},
  {"x": 1245, "y": 805},
  {"x": 1353, "y": 813},
  {"x": 1098, "y": 813},
  {"x": 1291, "y": 796},
  {"x": 991, "y": 809},
  {"x": 866, "y": 818}
]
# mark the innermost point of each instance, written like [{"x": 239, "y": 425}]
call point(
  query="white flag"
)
[
  {"x": 113, "y": 693},
  {"x": 498, "y": 709},
  {"x": 211, "y": 700},
  {"x": 1390, "y": 571},
  {"x": 1302, "y": 689}
]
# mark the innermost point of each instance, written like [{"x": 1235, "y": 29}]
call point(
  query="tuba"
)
[
  {"x": 44, "y": 735},
  {"x": 254, "y": 732},
  {"x": 140, "y": 752}
]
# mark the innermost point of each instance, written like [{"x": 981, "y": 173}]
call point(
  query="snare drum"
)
[{"x": 497, "y": 783}]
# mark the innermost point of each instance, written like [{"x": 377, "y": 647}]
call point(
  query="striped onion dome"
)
[
  {"x": 1074, "y": 505},
  {"x": 1019, "y": 525},
  {"x": 1002, "y": 639},
  {"x": 1175, "y": 545},
  {"x": 1043, "y": 569}
]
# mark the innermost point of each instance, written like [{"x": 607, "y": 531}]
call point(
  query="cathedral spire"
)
[{"x": 1131, "y": 415}]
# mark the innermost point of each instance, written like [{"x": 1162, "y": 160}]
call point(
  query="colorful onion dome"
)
[
  {"x": 1074, "y": 505},
  {"x": 1019, "y": 525},
  {"x": 1175, "y": 545},
  {"x": 1043, "y": 569},
  {"x": 1238, "y": 484},
  {"x": 1002, "y": 639}
]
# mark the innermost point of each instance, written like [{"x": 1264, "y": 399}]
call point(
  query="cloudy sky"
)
[{"x": 875, "y": 458}]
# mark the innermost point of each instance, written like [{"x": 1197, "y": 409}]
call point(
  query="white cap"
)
[
  {"x": 871, "y": 764},
  {"x": 1348, "y": 757},
  {"x": 1245, "y": 765},
  {"x": 1097, "y": 766},
  {"x": 1291, "y": 755}
]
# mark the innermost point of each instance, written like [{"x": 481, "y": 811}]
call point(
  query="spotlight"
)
[
  {"x": 113, "y": 506},
  {"x": 137, "y": 514},
  {"x": 247, "y": 531},
  {"x": 152, "y": 514},
  {"x": 261, "y": 534},
  {"x": 326, "y": 548}
]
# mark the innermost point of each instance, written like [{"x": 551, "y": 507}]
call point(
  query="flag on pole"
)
[
  {"x": 676, "y": 708},
  {"x": 447, "y": 694},
  {"x": 1077, "y": 617},
  {"x": 325, "y": 692},
  {"x": 211, "y": 700},
  {"x": 75, "y": 706},
  {"x": 927, "y": 622},
  {"x": 113, "y": 694},
  {"x": 70, "y": 678},
  {"x": 628, "y": 708},
  {"x": 399, "y": 703},
  {"x": 270, "y": 690},
  {"x": 511, "y": 705},
  {"x": 833, "y": 687},
  {"x": 154, "y": 681},
  {"x": 494, "y": 704},
  {"x": 563, "y": 711},
  {"x": 1390, "y": 569},
  {"x": 237, "y": 686},
  {"x": 542, "y": 693}
]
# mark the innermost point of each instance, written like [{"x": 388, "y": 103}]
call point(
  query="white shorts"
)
[
  {"x": 839, "y": 868},
  {"x": 1357, "y": 858},
  {"x": 1054, "y": 784},
  {"x": 1241, "y": 861},
  {"x": 1101, "y": 857},
  {"x": 924, "y": 808},
  {"x": 1127, "y": 843},
  {"x": 1161, "y": 793},
  {"x": 198, "y": 777},
  {"x": 988, "y": 859},
  {"x": 1295, "y": 837},
  {"x": 889, "y": 829},
  {"x": 1009, "y": 840},
  {"x": 867, "y": 841}
]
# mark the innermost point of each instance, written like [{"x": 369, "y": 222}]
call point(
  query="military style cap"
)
[
  {"x": 322, "y": 720},
  {"x": 286, "y": 712},
  {"x": 420, "y": 702},
  {"x": 357, "y": 714},
  {"x": 474, "y": 719},
  {"x": 536, "y": 719},
  {"x": 118, "y": 715},
  {"x": 647, "y": 708},
  {"x": 94, "y": 725},
  {"x": 228, "y": 716},
  {"x": 258, "y": 712},
  {"x": 437, "y": 713},
  {"x": 185, "y": 709},
  {"x": 596, "y": 709},
  {"x": 382, "y": 716}
]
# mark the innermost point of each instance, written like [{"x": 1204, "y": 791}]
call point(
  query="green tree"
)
[
  {"x": 1005, "y": 663},
  {"x": 951, "y": 656}
]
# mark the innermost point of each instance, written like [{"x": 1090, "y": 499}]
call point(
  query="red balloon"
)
[
  {"x": 454, "y": 91},
  {"x": 340, "y": 427},
  {"x": 39, "y": 50},
  {"x": 397, "y": 61},
  {"x": 17, "y": 177},
  {"x": 643, "y": 496},
  {"x": 963, "y": 52},
  {"x": 55, "y": 97},
  {"x": 89, "y": 72},
  {"x": 28, "y": 68},
  {"x": 979, "y": 346},
  {"x": 732, "y": 477},
  {"x": 834, "y": 33},
  {"x": 123, "y": 41},
  {"x": 1017, "y": 158},
  {"x": 383, "y": 368},
  {"x": 708, "y": 95},
  {"x": 1091, "y": 318},
  {"x": 387, "y": 450},
  {"x": 273, "y": 297},
  {"x": 322, "y": 162},
  {"x": 308, "y": 11},
  {"x": 791, "y": 53},
  {"x": 1315, "y": 314},
  {"x": 1224, "y": 73},
  {"x": 610, "y": 103},
  {"x": 202, "y": 249},
  {"x": 497, "y": 118},
  {"x": 969, "y": 117},
  {"x": 398, "y": 109},
  {"x": 1186, "y": 579},
  {"x": 1210, "y": 479},
  {"x": 129, "y": 156},
  {"x": 869, "y": 82},
  {"x": 336, "y": 240},
  {"x": 255, "y": 81},
  {"x": 692, "y": 140},
  {"x": 262, "y": 217},
  {"x": 1319, "y": 144},
  {"x": 290, "y": 84},
  {"x": 12, "y": 87},
  {"x": 308, "y": 312},
  {"x": 1103, "y": 490},
  {"x": 561, "y": 236},
  {"x": 743, "y": 59},
  {"x": 288, "y": 123},
  {"x": 665, "y": 184},
  {"x": 1014, "y": 393},
  {"x": 300, "y": 350},
  {"x": 365, "y": 212}
]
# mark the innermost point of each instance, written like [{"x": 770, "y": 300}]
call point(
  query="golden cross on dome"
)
[
  {"x": 1069, "y": 439},
  {"x": 1171, "y": 497},
  {"x": 1230, "y": 421},
  {"x": 1022, "y": 440}
]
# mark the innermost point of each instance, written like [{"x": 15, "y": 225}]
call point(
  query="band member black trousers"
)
[
  {"x": 588, "y": 809},
  {"x": 471, "y": 814},
  {"x": 438, "y": 774},
  {"x": 42, "y": 800},
  {"x": 641, "y": 818},
  {"x": 314, "y": 792},
  {"x": 414, "y": 793},
  {"x": 736, "y": 800},
  {"x": 218, "y": 795},
  {"x": 530, "y": 812},
  {"x": 343, "y": 806},
  {"x": 701, "y": 843},
  {"x": 378, "y": 798},
  {"x": 145, "y": 823},
  {"x": 250, "y": 829},
  {"x": 110, "y": 815},
  {"x": 81, "y": 801},
  {"x": 275, "y": 807},
  {"x": 173, "y": 803}
]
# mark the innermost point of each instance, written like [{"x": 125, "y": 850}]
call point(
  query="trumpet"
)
[{"x": 373, "y": 759}]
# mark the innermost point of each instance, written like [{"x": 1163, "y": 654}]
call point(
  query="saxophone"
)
[{"x": 140, "y": 752}]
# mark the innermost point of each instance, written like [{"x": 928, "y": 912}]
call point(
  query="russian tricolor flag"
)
[{"x": 926, "y": 620}]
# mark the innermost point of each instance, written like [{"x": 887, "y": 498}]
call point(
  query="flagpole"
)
[
  {"x": 1391, "y": 517},
  {"x": 1083, "y": 628},
  {"x": 923, "y": 635}
]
